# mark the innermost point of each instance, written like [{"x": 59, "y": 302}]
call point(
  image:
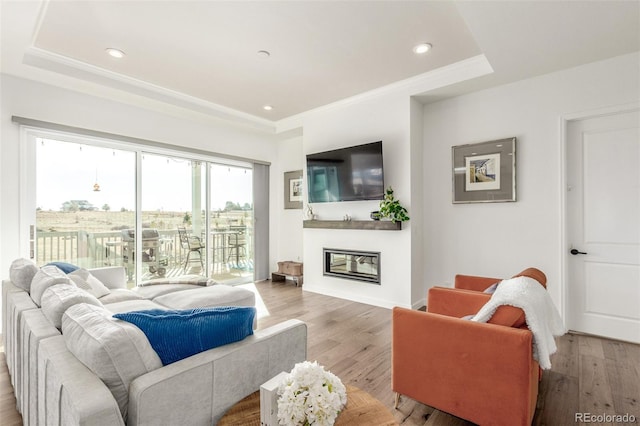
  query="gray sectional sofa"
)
[{"x": 53, "y": 387}]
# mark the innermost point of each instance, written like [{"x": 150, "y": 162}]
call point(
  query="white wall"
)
[
  {"x": 48, "y": 103},
  {"x": 288, "y": 233},
  {"x": 500, "y": 239},
  {"x": 383, "y": 118}
]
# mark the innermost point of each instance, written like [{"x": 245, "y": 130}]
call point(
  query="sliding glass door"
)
[
  {"x": 85, "y": 203},
  {"x": 162, "y": 216},
  {"x": 173, "y": 216},
  {"x": 231, "y": 223}
]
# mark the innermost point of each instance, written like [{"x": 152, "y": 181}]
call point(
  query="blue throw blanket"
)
[{"x": 178, "y": 334}]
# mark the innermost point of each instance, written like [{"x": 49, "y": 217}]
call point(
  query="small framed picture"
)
[
  {"x": 484, "y": 172},
  {"x": 293, "y": 190}
]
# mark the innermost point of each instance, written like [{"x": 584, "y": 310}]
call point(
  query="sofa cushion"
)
[
  {"x": 192, "y": 279},
  {"x": 111, "y": 276},
  {"x": 46, "y": 277},
  {"x": 120, "y": 295},
  {"x": 178, "y": 334},
  {"x": 157, "y": 290},
  {"x": 204, "y": 297},
  {"x": 116, "y": 351},
  {"x": 58, "y": 298},
  {"x": 22, "y": 272},
  {"x": 132, "y": 305},
  {"x": 86, "y": 281}
]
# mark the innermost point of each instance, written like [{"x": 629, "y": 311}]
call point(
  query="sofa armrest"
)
[
  {"x": 35, "y": 327},
  {"x": 203, "y": 387},
  {"x": 16, "y": 304},
  {"x": 111, "y": 276},
  {"x": 69, "y": 393},
  {"x": 463, "y": 366},
  {"x": 470, "y": 282}
]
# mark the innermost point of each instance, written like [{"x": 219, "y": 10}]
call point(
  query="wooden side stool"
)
[{"x": 288, "y": 269}]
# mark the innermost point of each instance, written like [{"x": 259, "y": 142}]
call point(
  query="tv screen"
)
[{"x": 347, "y": 174}]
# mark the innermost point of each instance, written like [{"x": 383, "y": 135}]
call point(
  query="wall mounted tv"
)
[{"x": 347, "y": 174}]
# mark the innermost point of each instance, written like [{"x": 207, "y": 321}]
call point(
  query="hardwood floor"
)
[
  {"x": 353, "y": 340},
  {"x": 9, "y": 416}
]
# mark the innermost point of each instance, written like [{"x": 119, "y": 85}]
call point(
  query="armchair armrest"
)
[
  {"x": 470, "y": 282},
  {"x": 464, "y": 367}
]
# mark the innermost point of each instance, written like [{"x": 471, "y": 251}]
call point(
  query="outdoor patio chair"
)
[
  {"x": 192, "y": 243},
  {"x": 237, "y": 244}
]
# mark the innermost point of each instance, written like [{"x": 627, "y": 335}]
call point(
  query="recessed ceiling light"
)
[
  {"x": 264, "y": 53},
  {"x": 267, "y": 107},
  {"x": 422, "y": 48},
  {"x": 115, "y": 53}
]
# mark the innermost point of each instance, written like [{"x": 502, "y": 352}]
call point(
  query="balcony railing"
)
[{"x": 90, "y": 250}]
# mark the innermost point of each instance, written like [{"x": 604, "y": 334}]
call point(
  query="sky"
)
[{"x": 68, "y": 171}]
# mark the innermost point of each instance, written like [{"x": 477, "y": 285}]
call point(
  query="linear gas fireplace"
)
[{"x": 352, "y": 265}]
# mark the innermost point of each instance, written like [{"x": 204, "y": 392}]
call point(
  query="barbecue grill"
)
[{"x": 150, "y": 250}]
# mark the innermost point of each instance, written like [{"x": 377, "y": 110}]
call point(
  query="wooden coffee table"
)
[{"x": 361, "y": 409}]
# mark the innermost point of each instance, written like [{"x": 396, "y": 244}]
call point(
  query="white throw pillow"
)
[
  {"x": 45, "y": 278},
  {"x": 115, "y": 350},
  {"x": 83, "y": 279},
  {"x": 60, "y": 297},
  {"x": 22, "y": 272}
]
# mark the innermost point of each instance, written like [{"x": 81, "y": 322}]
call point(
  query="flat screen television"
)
[{"x": 347, "y": 174}]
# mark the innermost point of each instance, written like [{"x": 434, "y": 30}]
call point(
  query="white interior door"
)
[{"x": 603, "y": 213}]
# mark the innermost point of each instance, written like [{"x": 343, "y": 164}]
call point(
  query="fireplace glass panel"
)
[{"x": 355, "y": 265}]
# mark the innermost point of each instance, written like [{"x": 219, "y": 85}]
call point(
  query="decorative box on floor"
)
[{"x": 290, "y": 269}]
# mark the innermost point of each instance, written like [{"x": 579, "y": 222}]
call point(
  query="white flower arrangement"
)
[{"x": 310, "y": 395}]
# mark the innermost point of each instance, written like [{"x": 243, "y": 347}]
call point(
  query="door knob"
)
[{"x": 575, "y": 251}]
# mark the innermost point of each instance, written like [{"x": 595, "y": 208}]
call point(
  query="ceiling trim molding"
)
[
  {"x": 69, "y": 67},
  {"x": 74, "y": 130},
  {"x": 467, "y": 69}
]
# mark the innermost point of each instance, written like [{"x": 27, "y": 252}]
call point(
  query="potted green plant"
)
[{"x": 392, "y": 209}]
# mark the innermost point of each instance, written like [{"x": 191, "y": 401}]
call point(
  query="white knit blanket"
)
[{"x": 540, "y": 313}]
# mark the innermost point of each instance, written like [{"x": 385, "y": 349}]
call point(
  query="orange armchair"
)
[{"x": 481, "y": 372}]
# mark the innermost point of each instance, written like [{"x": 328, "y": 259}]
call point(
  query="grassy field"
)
[{"x": 103, "y": 221}]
